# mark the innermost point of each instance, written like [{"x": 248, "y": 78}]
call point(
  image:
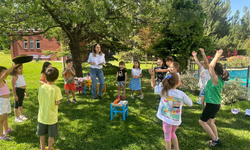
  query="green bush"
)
[
  {"x": 190, "y": 82},
  {"x": 7, "y": 51},
  {"x": 109, "y": 69},
  {"x": 128, "y": 55},
  {"x": 233, "y": 91}
]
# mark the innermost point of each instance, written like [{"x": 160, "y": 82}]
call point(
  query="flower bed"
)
[{"x": 237, "y": 62}]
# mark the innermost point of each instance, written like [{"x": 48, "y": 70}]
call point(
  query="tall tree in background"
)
[
  {"x": 107, "y": 21},
  {"x": 183, "y": 30}
]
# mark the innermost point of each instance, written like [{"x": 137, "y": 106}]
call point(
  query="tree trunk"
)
[
  {"x": 76, "y": 57},
  {"x": 146, "y": 58}
]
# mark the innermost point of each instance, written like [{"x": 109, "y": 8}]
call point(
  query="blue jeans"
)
[{"x": 99, "y": 73}]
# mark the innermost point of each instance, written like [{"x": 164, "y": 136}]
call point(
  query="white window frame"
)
[
  {"x": 31, "y": 44},
  {"x": 38, "y": 41},
  {"x": 25, "y": 42}
]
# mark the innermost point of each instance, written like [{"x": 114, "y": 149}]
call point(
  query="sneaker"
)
[
  {"x": 141, "y": 97},
  {"x": 4, "y": 137},
  {"x": 132, "y": 96},
  {"x": 69, "y": 102},
  {"x": 118, "y": 97},
  {"x": 123, "y": 97},
  {"x": 74, "y": 101},
  {"x": 215, "y": 143},
  {"x": 99, "y": 97},
  {"x": 18, "y": 119},
  {"x": 23, "y": 117},
  {"x": 94, "y": 98},
  {"x": 8, "y": 131}
]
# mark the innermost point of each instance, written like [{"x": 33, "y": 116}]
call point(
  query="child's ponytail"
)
[
  {"x": 223, "y": 73},
  {"x": 169, "y": 82}
]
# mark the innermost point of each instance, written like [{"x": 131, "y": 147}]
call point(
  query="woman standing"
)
[{"x": 96, "y": 60}]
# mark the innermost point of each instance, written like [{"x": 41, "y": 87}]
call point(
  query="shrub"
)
[
  {"x": 7, "y": 51},
  {"x": 190, "y": 82},
  {"x": 234, "y": 91},
  {"x": 128, "y": 56},
  {"x": 238, "y": 61},
  {"x": 109, "y": 69}
]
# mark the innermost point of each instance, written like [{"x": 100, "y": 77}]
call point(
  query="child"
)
[
  {"x": 204, "y": 77},
  {"x": 69, "y": 82},
  {"x": 212, "y": 97},
  {"x": 19, "y": 92},
  {"x": 121, "y": 77},
  {"x": 49, "y": 96},
  {"x": 5, "y": 107},
  {"x": 176, "y": 68},
  {"x": 169, "y": 60},
  {"x": 160, "y": 71},
  {"x": 135, "y": 83},
  {"x": 45, "y": 66},
  {"x": 170, "y": 106}
]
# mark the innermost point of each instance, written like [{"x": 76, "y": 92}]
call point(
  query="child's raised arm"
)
[
  {"x": 152, "y": 66},
  {"x": 206, "y": 64},
  {"x": 196, "y": 59},
  {"x": 152, "y": 73},
  {"x": 7, "y": 72}
]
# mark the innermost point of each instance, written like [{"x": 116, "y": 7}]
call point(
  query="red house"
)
[{"x": 34, "y": 45}]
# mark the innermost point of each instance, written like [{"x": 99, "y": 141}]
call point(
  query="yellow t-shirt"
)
[{"x": 48, "y": 110}]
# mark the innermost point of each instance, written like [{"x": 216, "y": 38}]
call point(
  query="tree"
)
[
  {"x": 183, "y": 31},
  {"x": 107, "y": 22}
]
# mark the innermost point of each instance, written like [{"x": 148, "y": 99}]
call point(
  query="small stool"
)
[{"x": 122, "y": 105}]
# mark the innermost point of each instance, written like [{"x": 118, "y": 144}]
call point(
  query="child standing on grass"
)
[
  {"x": 170, "y": 106},
  {"x": 45, "y": 66},
  {"x": 212, "y": 96},
  {"x": 135, "y": 83},
  {"x": 121, "y": 79},
  {"x": 160, "y": 71},
  {"x": 19, "y": 92},
  {"x": 49, "y": 96},
  {"x": 204, "y": 78},
  {"x": 176, "y": 68},
  {"x": 69, "y": 81},
  {"x": 5, "y": 107}
]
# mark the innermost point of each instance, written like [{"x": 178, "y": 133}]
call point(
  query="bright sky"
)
[{"x": 239, "y": 5}]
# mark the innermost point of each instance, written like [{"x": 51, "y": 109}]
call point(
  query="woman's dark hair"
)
[
  {"x": 177, "y": 65},
  {"x": 94, "y": 51},
  {"x": 2, "y": 68},
  {"x": 169, "y": 83},
  {"x": 138, "y": 64},
  {"x": 45, "y": 66},
  {"x": 223, "y": 73},
  {"x": 14, "y": 71}
]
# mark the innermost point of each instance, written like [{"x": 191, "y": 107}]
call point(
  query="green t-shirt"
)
[
  {"x": 212, "y": 92},
  {"x": 48, "y": 110},
  {"x": 69, "y": 77}
]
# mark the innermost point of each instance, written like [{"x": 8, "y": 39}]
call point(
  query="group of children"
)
[
  {"x": 166, "y": 86},
  {"x": 49, "y": 97}
]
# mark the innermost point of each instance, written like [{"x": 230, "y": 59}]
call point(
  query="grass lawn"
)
[{"x": 86, "y": 125}]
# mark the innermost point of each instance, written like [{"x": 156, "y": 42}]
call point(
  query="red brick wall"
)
[{"x": 45, "y": 44}]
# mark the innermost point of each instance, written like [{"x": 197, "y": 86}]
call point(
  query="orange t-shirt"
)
[{"x": 43, "y": 78}]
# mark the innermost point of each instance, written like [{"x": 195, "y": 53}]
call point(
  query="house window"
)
[
  {"x": 31, "y": 44},
  {"x": 25, "y": 44},
  {"x": 37, "y": 44}
]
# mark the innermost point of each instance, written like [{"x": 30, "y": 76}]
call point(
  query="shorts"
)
[
  {"x": 202, "y": 92},
  {"x": 209, "y": 112},
  {"x": 121, "y": 83},
  {"x": 71, "y": 86},
  {"x": 20, "y": 95},
  {"x": 43, "y": 129},
  {"x": 169, "y": 131},
  {"x": 5, "y": 107}
]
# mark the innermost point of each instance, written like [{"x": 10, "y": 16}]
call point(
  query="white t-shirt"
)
[
  {"x": 179, "y": 76},
  {"x": 170, "y": 106},
  {"x": 136, "y": 72},
  {"x": 98, "y": 60},
  {"x": 204, "y": 77}
]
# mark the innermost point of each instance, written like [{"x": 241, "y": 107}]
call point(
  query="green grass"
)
[{"x": 86, "y": 125}]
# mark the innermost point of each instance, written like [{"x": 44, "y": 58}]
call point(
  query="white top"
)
[
  {"x": 170, "y": 106},
  {"x": 20, "y": 81},
  {"x": 98, "y": 60},
  {"x": 178, "y": 75},
  {"x": 136, "y": 72},
  {"x": 204, "y": 77}
]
